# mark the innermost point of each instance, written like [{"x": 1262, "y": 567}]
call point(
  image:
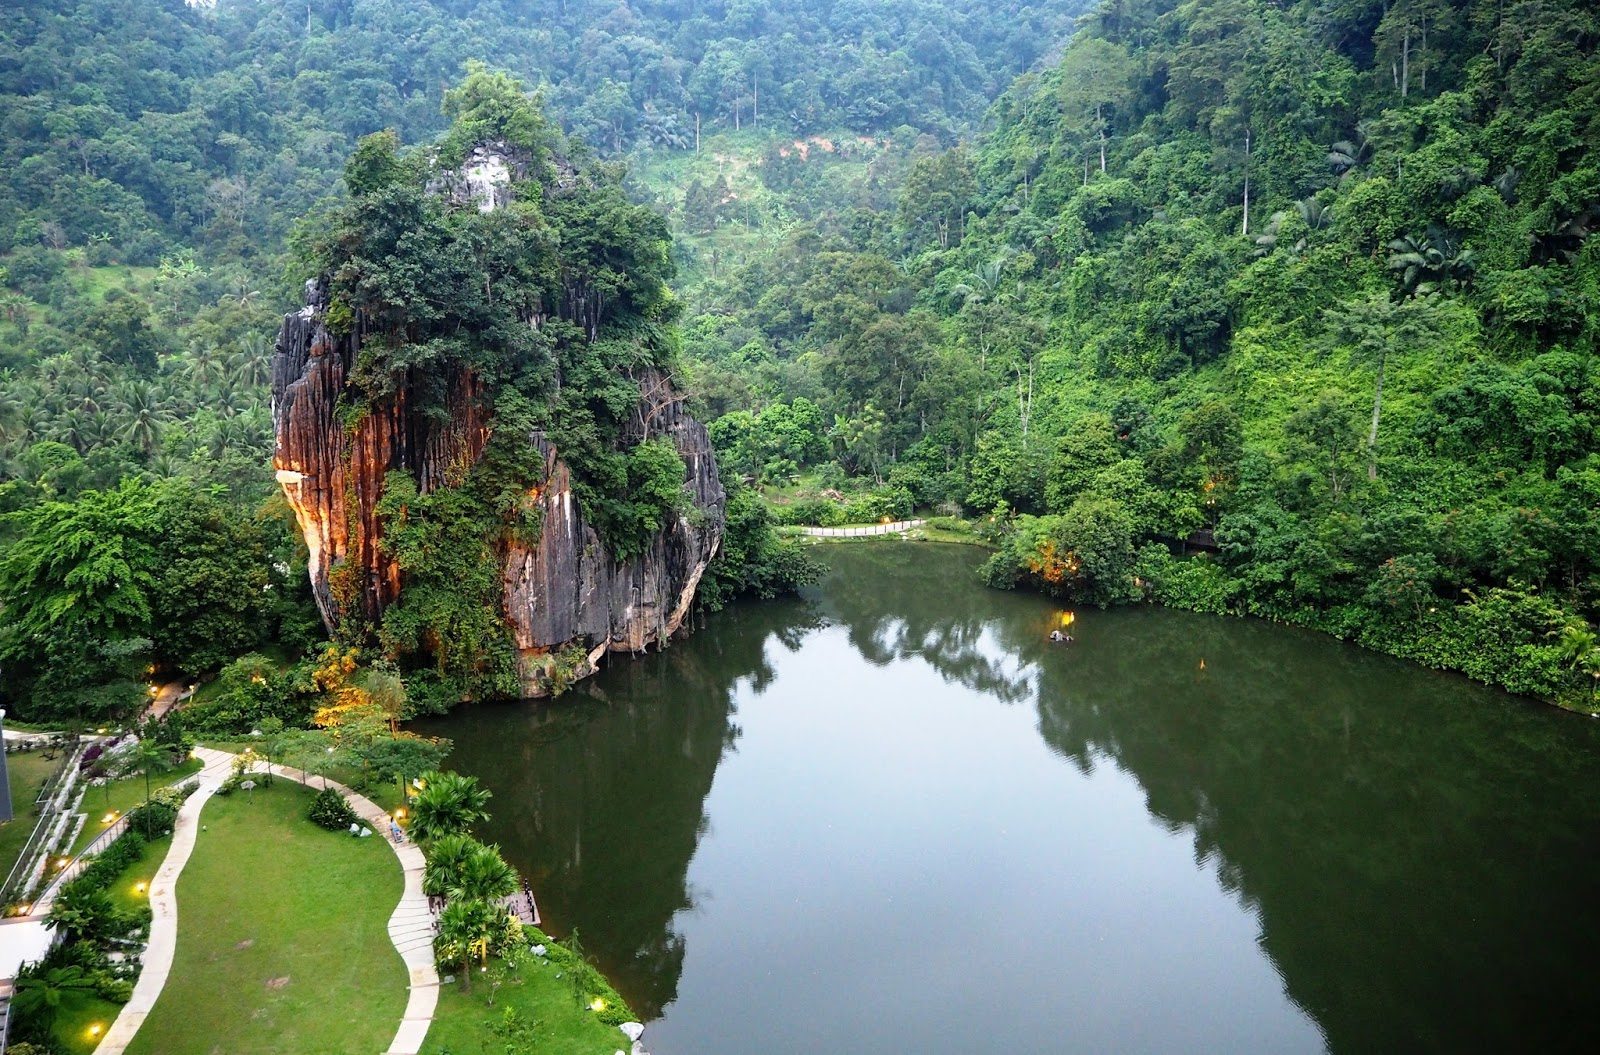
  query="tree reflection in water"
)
[{"x": 1414, "y": 847}]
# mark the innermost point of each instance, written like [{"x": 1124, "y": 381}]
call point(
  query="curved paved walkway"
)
[
  {"x": 410, "y": 928},
  {"x": 863, "y": 531}
]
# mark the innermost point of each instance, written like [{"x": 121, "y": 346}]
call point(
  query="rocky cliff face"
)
[{"x": 565, "y": 591}]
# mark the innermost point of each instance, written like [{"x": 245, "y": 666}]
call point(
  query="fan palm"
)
[
  {"x": 448, "y": 802},
  {"x": 467, "y": 930}
]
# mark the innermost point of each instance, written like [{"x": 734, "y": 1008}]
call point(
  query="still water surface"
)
[{"x": 891, "y": 816}]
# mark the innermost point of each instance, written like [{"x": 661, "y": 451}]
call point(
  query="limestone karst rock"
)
[{"x": 566, "y": 590}]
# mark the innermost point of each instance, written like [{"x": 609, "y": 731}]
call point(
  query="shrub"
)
[
  {"x": 329, "y": 810},
  {"x": 587, "y": 983},
  {"x": 153, "y": 819}
]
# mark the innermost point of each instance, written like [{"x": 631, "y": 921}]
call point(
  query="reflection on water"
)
[{"x": 936, "y": 830}]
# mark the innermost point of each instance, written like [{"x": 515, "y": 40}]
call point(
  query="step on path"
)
[{"x": 410, "y": 927}]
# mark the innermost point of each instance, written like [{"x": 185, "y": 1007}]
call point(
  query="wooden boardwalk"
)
[{"x": 864, "y": 530}]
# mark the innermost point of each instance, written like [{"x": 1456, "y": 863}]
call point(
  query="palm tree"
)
[
  {"x": 1345, "y": 156},
  {"x": 1378, "y": 327},
  {"x": 41, "y": 994},
  {"x": 462, "y": 869},
  {"x": 448, "y": 802},
  {"x": 467, "y": 929},
  {"x": 1430, "y": 263},
  {"x": 250, "y": 366},
  {"x": 145, "y": 756},
  {"x": 447, "y": 857},
  {"x": 1580, "y": 648},
  {"x": 141, "y": 403},
  {"x": 484, "y": 876}
]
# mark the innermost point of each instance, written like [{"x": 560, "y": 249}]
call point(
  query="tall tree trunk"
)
[
  {"x": 1372, "y": 434},
  {"x": 1100, "y": 121},
  {"x": 697, "y": 131},
  {"x": 1247, "y": 183},
  {"x": 1405, "y": 61}
]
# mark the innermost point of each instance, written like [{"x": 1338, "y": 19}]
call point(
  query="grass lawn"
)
[
  {"x": 464, "y": 1023},
  {"x": 79, "y": 1013},
  {"x": 27, "y": 771},
  {"x": 282, "y": 939},
  {"x": 119, "y": 796}
]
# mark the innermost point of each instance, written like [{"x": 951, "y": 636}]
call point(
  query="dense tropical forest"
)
[
  {"x": 1307, "y": 288},
  {"x": 1277, "y": 308},
  {"x": 159, "y": 160}
]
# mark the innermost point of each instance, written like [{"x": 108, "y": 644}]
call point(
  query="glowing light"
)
[
  {"x": 400, "y": 814},
  {"x": 101, "y": 730},
  {"x": 138, "y": 888},
  {"x": 597, "y": 1004},
  {"x": 258, "y": 679},
  {"x": 1202, "y": 664},
  {"x": 23, "y": 910},
  {"x": 94, "y": 1030},
  {"x": 1067, "y": 618},
  {"x": 108, "y": 818}
]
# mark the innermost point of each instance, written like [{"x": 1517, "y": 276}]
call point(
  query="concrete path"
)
[
  {"x": 158, "y": 954},
  {"x": 168, "y": 697},
  {"x": 863, "y": 531},
  {"x": 410, "y": 928}
]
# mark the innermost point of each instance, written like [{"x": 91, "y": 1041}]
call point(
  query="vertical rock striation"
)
[{"x": 565, "y": 591}]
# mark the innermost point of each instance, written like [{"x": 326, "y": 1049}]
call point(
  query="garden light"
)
[
  {"x": 139, "y": 887},
  {"x": 94, "y": 1030},
  {"x": 597, "y": 1005}
]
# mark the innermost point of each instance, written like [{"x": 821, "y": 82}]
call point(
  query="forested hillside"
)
[
  {"x": 1306, "y": 288},
  {"x": 156, "y": 159},
  {"x": 1310, "y": 284}
]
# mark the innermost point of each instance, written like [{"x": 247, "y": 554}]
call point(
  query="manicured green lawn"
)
[
  {"x": 27, "y": 771},
  {"x": 121, "y": 795},
  {"x": 464, "y": 1023},
  {"x": 282, "y": 939},
  {"x": 79, "y": 1013}
]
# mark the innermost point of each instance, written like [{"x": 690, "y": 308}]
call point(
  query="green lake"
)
[{"x": 891, "y": 815}]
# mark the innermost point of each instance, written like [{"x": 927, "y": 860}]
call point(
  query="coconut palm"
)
[
  {"x": 250, "y": 366},
  {"x": 448, "y": 802},
  {"x": 146, "y": 415}
]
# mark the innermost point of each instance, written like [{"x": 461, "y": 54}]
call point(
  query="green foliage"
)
[
  {"x": 154, "y": 818},
  {"x": 448, "y": 804},
  {"x": 588, "y": 985},
  {"x": 754, "y": 559},
  {"x": 330, "y": 810}
]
